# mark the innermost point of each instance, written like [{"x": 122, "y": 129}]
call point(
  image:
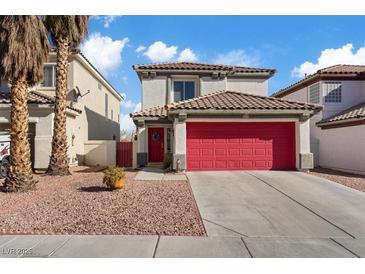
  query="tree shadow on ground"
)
[
  {"x": 94, "y": 189},
  {"x": 90, "y": 169}
]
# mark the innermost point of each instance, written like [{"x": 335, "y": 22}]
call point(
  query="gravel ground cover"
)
[
  {"x": 343, "y": 178},
  {"x": 80, "y": 204}
]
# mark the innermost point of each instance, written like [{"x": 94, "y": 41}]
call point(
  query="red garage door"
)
[{"x": 246, "y": 146}]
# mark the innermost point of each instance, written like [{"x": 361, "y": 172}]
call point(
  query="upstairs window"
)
[
  {"x": 333, "y": 92},
  {"x": 106, "y": 105},
  {"x": 49, "y": 76},
  {"x": 314, "y": 94},
  {"x": 184, "y": 90}
]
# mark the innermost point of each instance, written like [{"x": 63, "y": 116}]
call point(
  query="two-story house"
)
[
  {"x": 338, "y": 132},
  {"x": 218, "y": 117},
  {"x": 93, "y": 110}
]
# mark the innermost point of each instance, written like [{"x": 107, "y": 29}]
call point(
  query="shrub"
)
[{"x": 112, "y": 175}]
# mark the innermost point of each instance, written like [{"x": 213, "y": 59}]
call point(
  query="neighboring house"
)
[
  {"x": 218, "y": 117},
  {"x": 93, "y": 110},
  {"x": 338, "y": 132}
]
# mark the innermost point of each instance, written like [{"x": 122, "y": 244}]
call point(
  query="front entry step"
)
[{"x": 157, "y": 174}]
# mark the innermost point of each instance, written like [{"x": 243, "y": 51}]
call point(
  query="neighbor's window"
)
[
  {"x": 184, "y": 90},
  {"x": 49, "y": 76},
  {"x": 106, "y": 105},
  {"x": 333, "y": 92},
  {"x": 111, "y": 114},
  {"x": 314, "y": 94}
]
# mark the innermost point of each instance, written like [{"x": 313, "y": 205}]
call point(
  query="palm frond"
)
[
  {"x": 72, "y": 27},
  {"x": 24, "y": 48}
]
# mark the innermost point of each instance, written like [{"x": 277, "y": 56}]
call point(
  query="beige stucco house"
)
[
  {"x": 338, "y": 132},
  {"x": 93, "y": 114},
  {"x": 218, "y": 117}
]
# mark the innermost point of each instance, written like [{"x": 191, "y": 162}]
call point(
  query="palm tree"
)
[
  {"x": 67, "y": 32},
  {"x": 23, "y": 50}
]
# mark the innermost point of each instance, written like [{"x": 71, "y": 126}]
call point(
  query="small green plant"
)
[{"x": 112, "y": 175}]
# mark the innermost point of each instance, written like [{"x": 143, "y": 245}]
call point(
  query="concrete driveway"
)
[
  {"x": 275, "y": 210},
  {"x": 246, "y": 214}
]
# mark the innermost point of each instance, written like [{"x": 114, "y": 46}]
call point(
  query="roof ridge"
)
[
  {"x": 200, "y": 63},
  {"x": 333, "y": 66}
]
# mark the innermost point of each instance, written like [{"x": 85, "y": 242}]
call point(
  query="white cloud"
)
[
  {"x": 330, "y": 57},
  {"x": 187, "y": 55},
  {"x": 138, "y": 107},
  {"x": 107, "y": 20},
  {"x": 160, "y": 52},
  {"x": 237, "y": 58},
  {"x": 128, "y": 104},
  {"x": 104, "y": 52},
  {"x": 126, "y": 123},
  {"x": 140, "y": 49}
]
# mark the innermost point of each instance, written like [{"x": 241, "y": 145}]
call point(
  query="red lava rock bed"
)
[
  {"x": 343, "y": 178},
  {"x": 80, "y": 204}
]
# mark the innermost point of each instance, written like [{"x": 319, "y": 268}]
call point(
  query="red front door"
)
[{"x": 155, "y": 144}]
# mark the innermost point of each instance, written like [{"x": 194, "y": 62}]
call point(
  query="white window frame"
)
[
  {"x": 317, "y": 96},
  {"x": 54, "y": 80},
  {"x": 326, "y": 93},
  {"x": 184, "y": 80}
]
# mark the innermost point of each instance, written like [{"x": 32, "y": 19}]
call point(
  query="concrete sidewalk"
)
[
  {"x": 157, "y": 174},
  {"x": 107, "y": 246}
]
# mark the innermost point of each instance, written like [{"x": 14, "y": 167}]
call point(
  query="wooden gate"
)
[{"x": 124, "y": 154}]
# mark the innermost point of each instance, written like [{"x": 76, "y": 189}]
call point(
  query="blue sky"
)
[{"x": 294, "y": 45}]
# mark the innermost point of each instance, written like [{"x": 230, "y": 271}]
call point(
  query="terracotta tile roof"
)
[
  {"x": 333, "y": 71},
  {"x": 201, "y": 67},
  {"x": 228, "y": 100},
  {"x": 160, "y": 112},
  {"x": 233, "y": 100},
  {"x": 355, "y": 112},
  {"x": 34, "y": 97},
  {"x": 343, "y": 69}
]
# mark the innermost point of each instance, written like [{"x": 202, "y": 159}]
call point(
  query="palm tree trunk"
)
[
  {"x": 20, "y": 176},
  {"x": 58, "y": 164}
]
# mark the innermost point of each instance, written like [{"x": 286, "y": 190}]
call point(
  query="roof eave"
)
[
  {"x": 337, "y": 122},
  {"x": 82, "y": 59}
]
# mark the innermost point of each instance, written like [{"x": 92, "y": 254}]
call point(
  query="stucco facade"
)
[
  {"x": 340, "y": 148},
  {"x": 158, "y": 93},
  {"x": 158, "y": 90},
  {"x": 343, "y": 149},
  {"x": 98, "y": 118}
]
